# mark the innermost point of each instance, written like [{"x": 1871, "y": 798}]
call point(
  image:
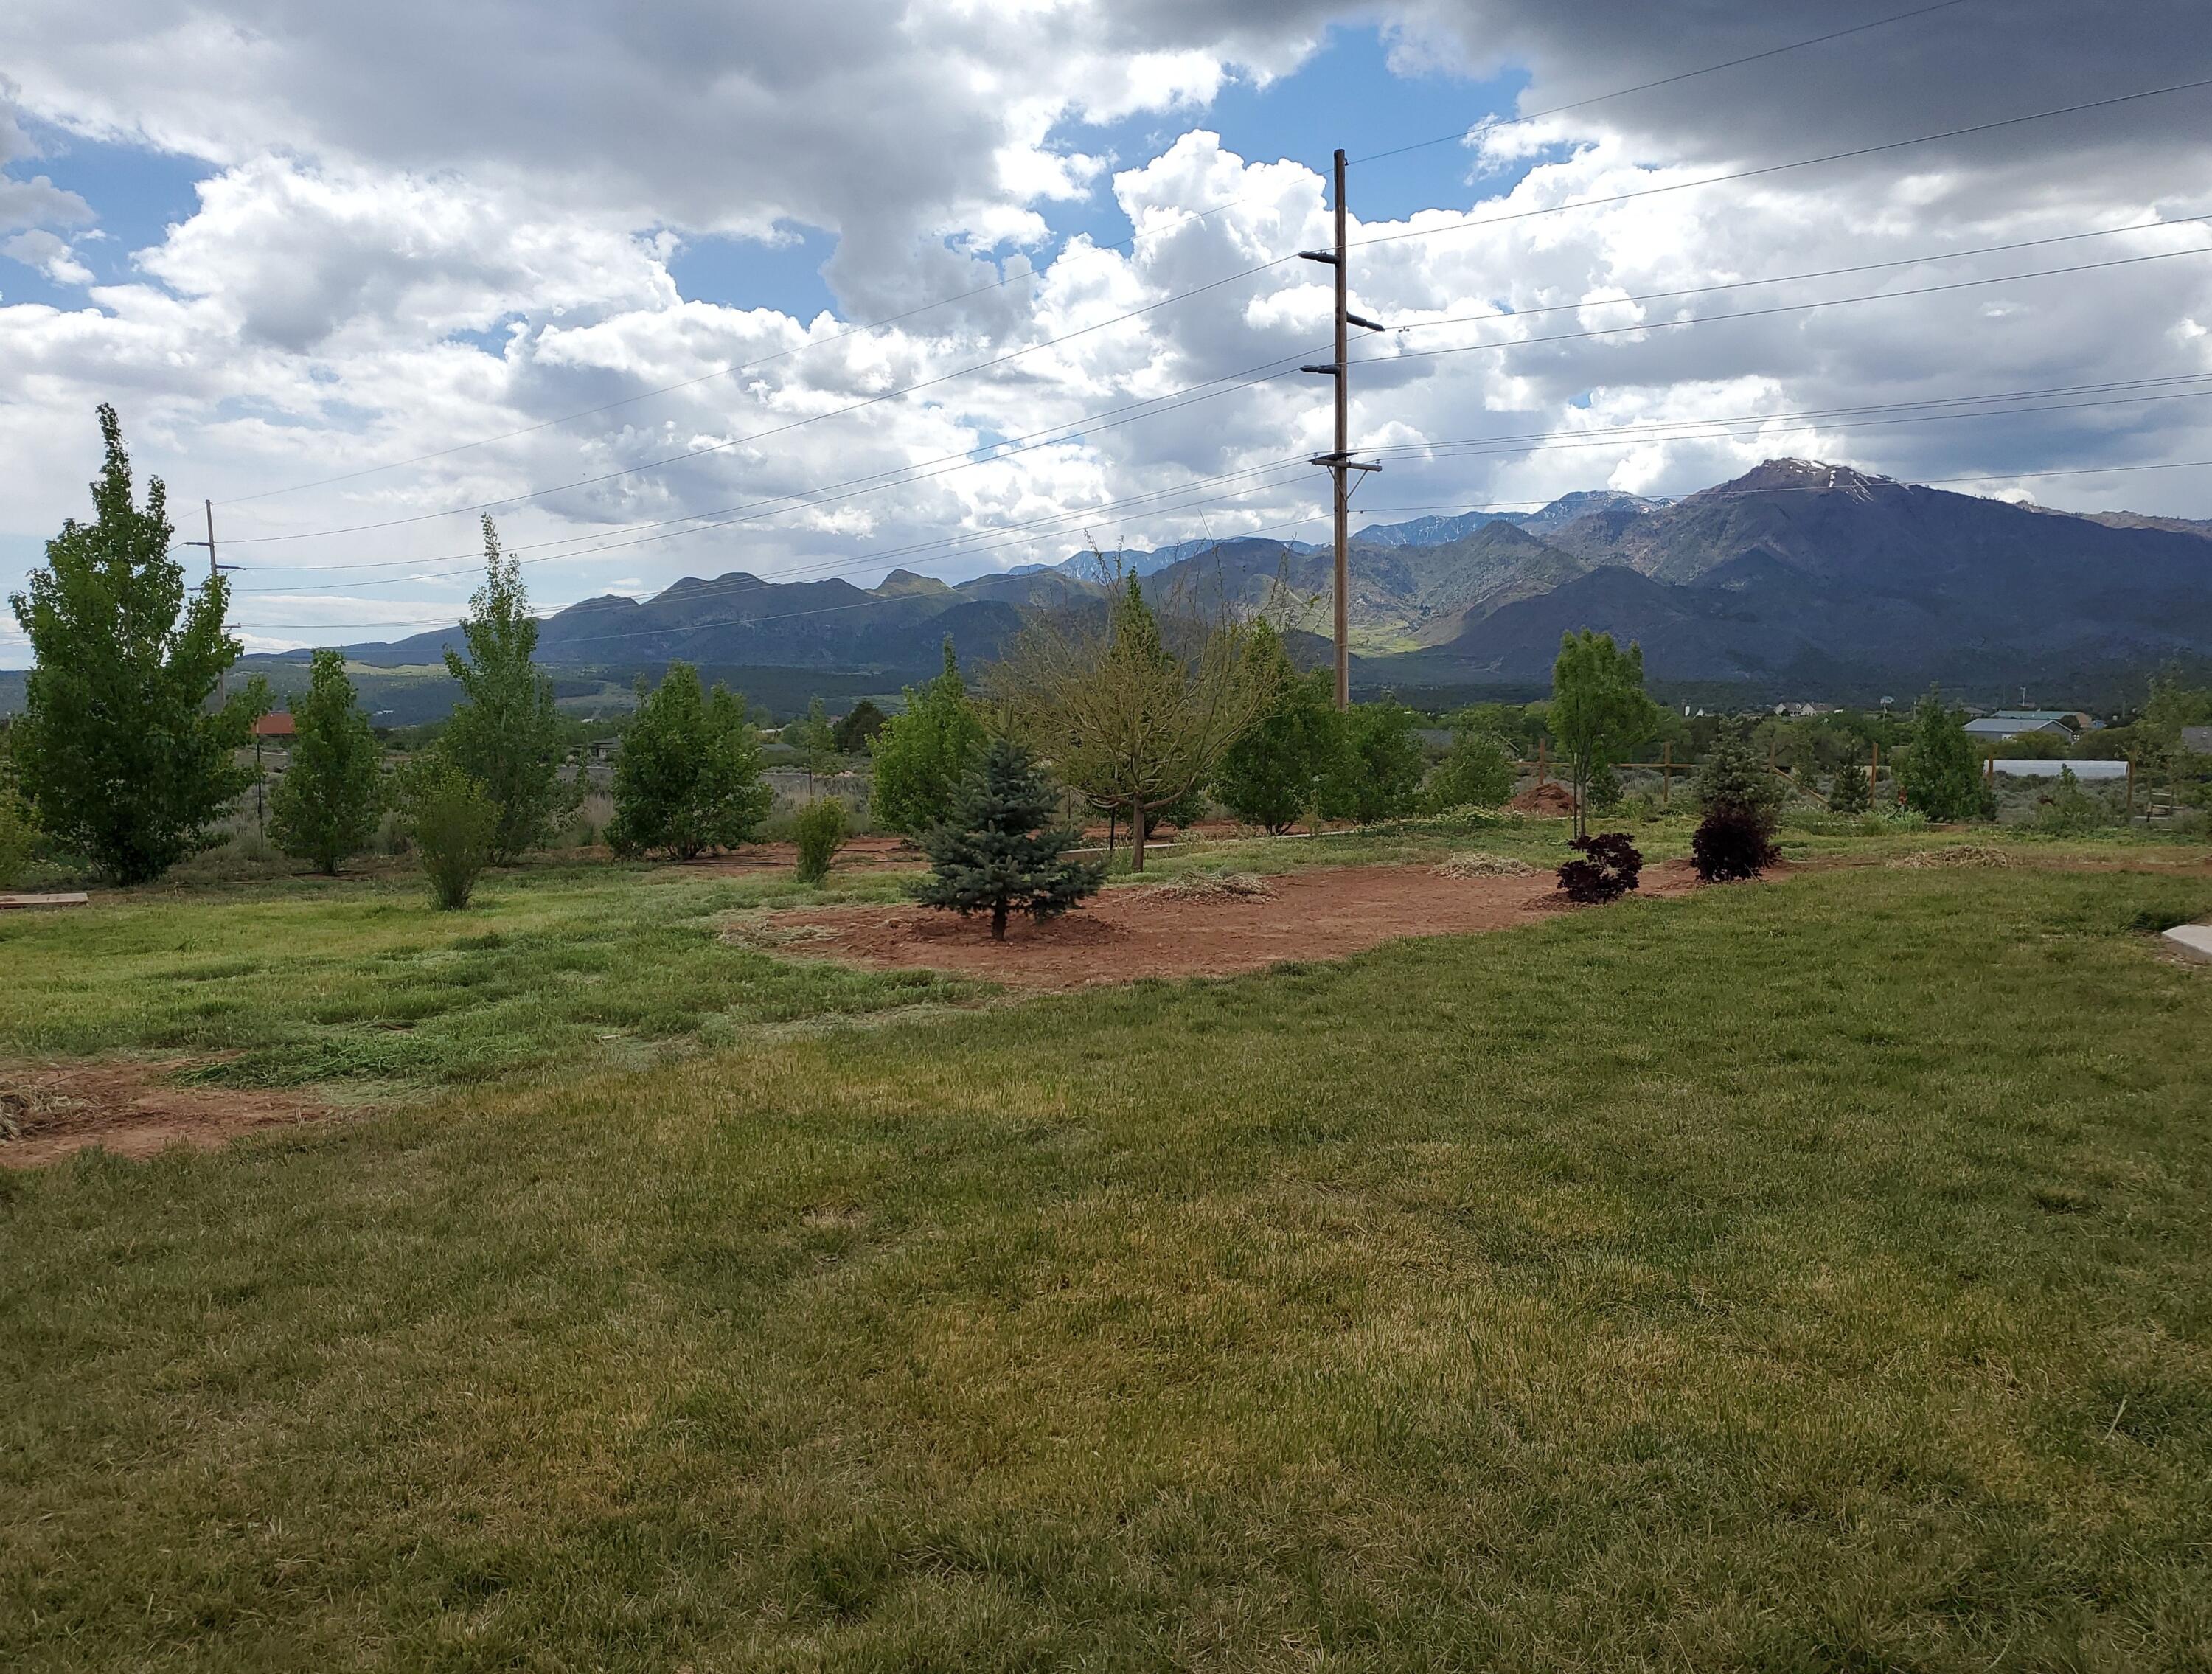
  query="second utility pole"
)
[{"x": 1338, "y": 462}]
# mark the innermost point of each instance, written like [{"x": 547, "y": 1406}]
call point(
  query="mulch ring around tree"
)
[
  {"x": 49, "y": 1112},
  {"x": 1126, "y": 934}
]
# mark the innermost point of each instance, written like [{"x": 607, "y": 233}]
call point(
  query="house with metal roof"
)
[{"x": 2023, "y": 723}]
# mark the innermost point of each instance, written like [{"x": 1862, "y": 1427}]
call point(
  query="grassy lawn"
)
[
  {"x": 358, "y": 981},
  {"x": 1815, "y": 1275}
]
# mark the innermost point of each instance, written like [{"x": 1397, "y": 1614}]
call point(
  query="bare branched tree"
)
[{"x": 1132, "y": 718}]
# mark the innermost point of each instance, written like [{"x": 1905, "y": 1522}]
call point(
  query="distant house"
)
[
  {"x": 2005, "y": 724},
  {"x": 277, "y": 724}
]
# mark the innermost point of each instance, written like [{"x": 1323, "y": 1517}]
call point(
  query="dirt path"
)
[
  {"x": 1128, "y": 933},
  {"x": 59, "y": 1109}
]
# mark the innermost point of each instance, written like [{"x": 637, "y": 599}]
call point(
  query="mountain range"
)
[{"x": 1797, "y": 578}]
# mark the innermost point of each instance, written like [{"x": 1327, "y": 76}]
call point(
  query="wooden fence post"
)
[{"x": 1665, "y": 774}]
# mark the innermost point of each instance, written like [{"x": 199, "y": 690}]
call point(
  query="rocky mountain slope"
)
[{"x": 1798, "y": 574}]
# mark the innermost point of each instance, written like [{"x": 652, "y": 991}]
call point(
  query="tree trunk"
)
[
  {"x": 1137, "y": 839},
  {"x": 998, "y": 921}
]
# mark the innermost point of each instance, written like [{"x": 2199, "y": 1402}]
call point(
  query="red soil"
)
[{"x": 1128, "y": 933}]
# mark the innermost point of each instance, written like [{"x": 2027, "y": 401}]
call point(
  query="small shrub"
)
[
  {"x": 820, "y": 830},
  {"x": 1608, "y": 868},
  {"x": 454, "y": 827},
  {"x": 1732, "y": 844}
]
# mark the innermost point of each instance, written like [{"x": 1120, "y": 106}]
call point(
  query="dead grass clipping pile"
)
[
  {"x": 1476, "y": 864},
  {"x": 1953, "y": 856},
  {"x": 1213, "y": 886}
]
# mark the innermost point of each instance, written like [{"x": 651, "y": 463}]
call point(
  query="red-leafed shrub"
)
[
  {"x": 1732, "y": 843},
  {"x": 1606, "y": 869}
]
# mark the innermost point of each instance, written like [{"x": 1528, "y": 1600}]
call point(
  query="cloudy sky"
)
[{"x": 697, "y": 286}]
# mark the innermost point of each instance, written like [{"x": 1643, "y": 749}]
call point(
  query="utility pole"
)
[
  {"x": 215, "y": 573},
  {"x": 1338, "y": 463}
]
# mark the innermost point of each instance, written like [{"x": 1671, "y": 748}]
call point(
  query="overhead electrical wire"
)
[
  {"x": 1489, "y": 124},
  {"x": 1621, "y": 437},
  {"x": 1213, "y": 284},
  {"x": 1486, "y": 125},
  {"x": 1231, "y": 381}
]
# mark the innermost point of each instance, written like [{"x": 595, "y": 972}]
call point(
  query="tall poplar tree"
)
[
  {"x": 122, "y": 749},
  {"x": 506, "y": 733}
]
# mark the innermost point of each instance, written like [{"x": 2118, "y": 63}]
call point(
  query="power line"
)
[
  {"x": 1687, "y": 429},
  {"x": 1005, "y": 280},
  {"x": 1245, "y": 378},
  {"x": 1210, "y": 285},
  {"x": 1491, "y": 124},
  {"x": 1783, "y": 168}
]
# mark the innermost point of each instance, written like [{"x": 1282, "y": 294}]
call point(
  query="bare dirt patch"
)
[
  {"x": 56, "y": 1110},
  {"x": 1127, "y": 934}
]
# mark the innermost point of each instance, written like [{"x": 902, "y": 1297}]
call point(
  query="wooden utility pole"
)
[{"x": 1338, "y": 461}]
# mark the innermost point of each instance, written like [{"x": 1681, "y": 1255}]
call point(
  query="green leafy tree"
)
[
  {"x": 922, "y": 756},
  {"x": 688, "y": 777},
  {"x": 325, "y": 807},
  {"x": 1133, "y": 725},
  {"x": 1278, "y": 771},
  {"x": 123, "y": 757},
  {"x": 814, "y": 739},
  {"x": 454, "y": 824},
  {"x": 857, "y": 728},
  {"x": 1479, "y": 770},
  {"x": 506, "y": 733},
  {"x": 19, "y": 831},
  {"x": 1939, "y": 770},
  {"x": 1380, "y": 769},
  {"x": 1599, "y": 709},
  {"x": 1003, "y": 851}
]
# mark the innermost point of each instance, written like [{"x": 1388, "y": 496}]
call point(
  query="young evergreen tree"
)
[
  {"x": 1939, "y": 770},
  {"x": 1848, "y": 792},
  {"x": 505, "y": 733},
  {"x": 121, "y": 757},
  {"x": 1002, "y": 852},
  {"x": 688, "y": 777},
  {"x": 325, "y": 808},
  {"x": 1379, "y": 770},
  {"x": 1279, "y": 770},
  {"x": 1740, "y": 800},
  {"x": 922, "y": 756},
  {"x": 1598, "y": 709}
]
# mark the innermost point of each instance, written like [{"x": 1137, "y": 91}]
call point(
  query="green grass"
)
[
  {"x": 1800, "y": 1277},
  {"x": 359, "y": 980}
]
